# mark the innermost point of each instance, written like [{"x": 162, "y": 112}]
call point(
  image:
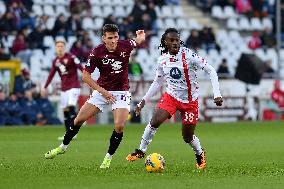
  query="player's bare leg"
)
[
  {"x": 120, "y": 118},
  {"x": 193, "y": 141},
  {"x": 158, "y": 118}
]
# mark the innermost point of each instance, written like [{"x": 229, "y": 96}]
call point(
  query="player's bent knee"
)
[
  {"x": 187, "y": 139},
  {"x": 119, "y": 129},
  {"x": 78, "y": 121},
  {"x": 155, "y": 123}
]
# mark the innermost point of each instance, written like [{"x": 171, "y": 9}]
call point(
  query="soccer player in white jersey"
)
[{"x": 177, "y": 66}]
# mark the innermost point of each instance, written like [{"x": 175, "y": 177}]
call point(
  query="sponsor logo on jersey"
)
[{"x": 175, "y": 73}]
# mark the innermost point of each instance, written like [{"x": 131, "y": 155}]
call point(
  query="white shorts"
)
[
  {"x": 69, "y": 97},
  {"x": 122, "y": 100}
]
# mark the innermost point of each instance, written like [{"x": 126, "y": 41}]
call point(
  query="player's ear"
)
[{"x": 103, "y": 38}]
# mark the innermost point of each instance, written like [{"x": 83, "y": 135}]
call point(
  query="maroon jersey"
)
[
  {"x": 67, "y": 68},
  {"x": 113, "y": 66}
]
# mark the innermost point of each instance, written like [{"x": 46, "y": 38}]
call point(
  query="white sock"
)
[
  {"x": 63, "y": 147},
  {"x": 147, "y": 137},
  {"x": 196, "y": 146},
  {"x": 108, "y": 156}
]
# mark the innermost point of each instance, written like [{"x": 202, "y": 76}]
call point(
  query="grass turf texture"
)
[{"x": 239, "y": 155}]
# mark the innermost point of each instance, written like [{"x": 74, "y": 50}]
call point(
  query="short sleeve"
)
[
  {"x": 130, "y": 44},
  {"x": 91, "y": 63}
]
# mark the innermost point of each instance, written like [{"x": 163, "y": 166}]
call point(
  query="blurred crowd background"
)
[{"x": 219, "y": 30}]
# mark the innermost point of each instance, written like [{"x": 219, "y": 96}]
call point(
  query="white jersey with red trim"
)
[{"x": 180, "y": 74}]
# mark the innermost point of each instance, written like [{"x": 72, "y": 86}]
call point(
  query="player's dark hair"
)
[
  {"x": 110, "y": 28},
  {"x": 163, "y": 46}
]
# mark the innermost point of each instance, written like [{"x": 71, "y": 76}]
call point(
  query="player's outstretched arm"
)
[
  {"x": 50, "y": 77},
  {"x": 140, "y": 36},
  {"x": 86, "y": 77}
]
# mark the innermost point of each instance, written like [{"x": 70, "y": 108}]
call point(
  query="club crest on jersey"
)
[
  {"x": 175, "y": 73},
  {"x": 123, "y": 54},
  {"x": 173, "y": 59}
]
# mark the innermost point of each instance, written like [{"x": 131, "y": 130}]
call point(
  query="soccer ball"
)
[{"x": 154, "y": 163}]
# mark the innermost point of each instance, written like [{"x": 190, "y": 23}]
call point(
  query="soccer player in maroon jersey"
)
[
  {"x": 66, "y": 65},
  {"x": 112, "y": 87}
]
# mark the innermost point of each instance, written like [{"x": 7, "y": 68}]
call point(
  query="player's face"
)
[
  {"x": 60, "y": 48},
  {"x": 172, "y": 42},
  {"x": 110, "y": 39}
]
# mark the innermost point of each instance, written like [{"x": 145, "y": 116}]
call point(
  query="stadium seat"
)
[
  {"x": 48, "y": 10},
  {"x": 234, "y": 35},
  {"x": 49, "y": 2},
  {"x": 63, "y": 2},
  {"x": 127, "y": 2},
  {"x": 107, "y": 10},
  {"x": 97, "y": 11},
  {"x": 260, "y": 54},
  {"x": 232, "y": 23},
  {"x": 118, "y": 3},
  {"x": 37, "y": 52},
  {"x": 60, "y": 9},
  {"x": 160, "y": 24},
  {"x": 229, "y": 12},
  {"x": 71, "y": 40},
  {"x": 166, "y": 12},
  {"x": 158, "y": 11},
  {"x": 9, "y": 41},
  {"x": 244, "y": 24},
  {"x": 37, "y": 10},
  {"x": 177, "y": 11},
  {"x": 267, "y": 23},
  {"x": 217, "y": 12},
  {"x": 38, "y": 2},
  {"x": 213, "y": 53},
  {"x": 95, "y": 2},
  {"x": 182, "y": 23},
  {"x": 170, "y": 22},
  {"x": 184, "y": 34},
  {"x": 87, "y": 23},
  {"x": 202, "y": 53},
  {"x": 119, "y": 11},
  {"x": 50, "y": 53},
  {"x": 95, "y": 39},
  {"x": 220, "y": 35},
  {"x": 154, "y": 43},
  {"x": 48, "y": 41},
  {"x": 193, "y": 24},
  {"x": 98, "y": 23},
  {"x": 128, "y": 9},
  {"x": 105, "y": 3},
  {"x": 2, "y": 8},
  {"x": 282, "y": 54},
  {"x": 256, "y": 24},
  {"x": 50, "y": 23}
]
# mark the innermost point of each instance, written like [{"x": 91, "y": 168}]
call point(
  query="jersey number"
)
[{"x": 189, "y": 117}]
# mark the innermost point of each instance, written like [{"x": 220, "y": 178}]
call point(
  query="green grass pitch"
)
[{"x": 239, "y": 155}]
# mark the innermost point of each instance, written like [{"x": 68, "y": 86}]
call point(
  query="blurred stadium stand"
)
[{"x": 225, "y": 30}]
